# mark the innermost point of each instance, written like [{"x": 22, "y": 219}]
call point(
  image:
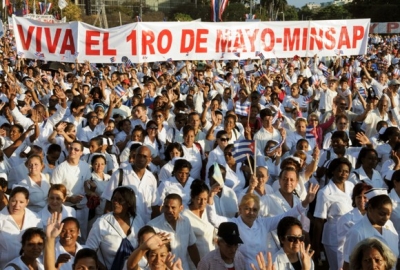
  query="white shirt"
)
[
  {"x": 216, "y": 155},
  {"x": 203, "y": 230},
  {"x": 181, "y": 238},
  {"x": 145, "y": 190},
  {"x": 263, "y": 136},
  {"x": 66, "y": 211},
  {"x": 106, "y": 236},
  {"x": 60, "y": 250},
  {"x": 73, "y": 178},
  {"x": 363, "y": 229},
  {"x": 37, "y": 194},
  {"x": 10, "y": 234},
  {"x": 359, "y": 175},
  {"x": 173, "y": 186},
  {"x": 227, "y": 204},
  {"x": 255, "y": 237},
  {"x": 86, "y": 133},
  {"x": 19, "y": 263},
  {"x": 332, "y": 203},
  {"x": 195, "y": 157},
  {"x": 344, "y": 224},
  {"x": 281, "y": 261},
  {"x": 395, "y": 216}
]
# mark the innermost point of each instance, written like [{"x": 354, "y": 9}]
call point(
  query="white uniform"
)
[
  {"x": 37, "y": 194},
  {"x": 263, "y": 136},
  {"x": 363, "y": 229},
  {"x": 19, "y": 263},
  {"x": 332, "y": 203},
  {"x": 359, "y": 175},
  {"x": 395, "y": 216},
  {"x": 173, "y": 186},
  {"x": 60, "y": 250},
  {"x": 10, "y": 234},
  {"x": 254, "y": 237},
  {"x": 106, "y": 236},
  {"x": 281, "y": 261},
  {"x": 181, "y": 238}
]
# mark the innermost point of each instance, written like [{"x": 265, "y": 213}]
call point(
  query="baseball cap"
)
[
  {"x": 126, "y": 81},
  {"x": 229, "y": 232},
  {"x": 394, "y": 82}
]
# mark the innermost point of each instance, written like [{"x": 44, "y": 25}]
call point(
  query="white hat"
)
[
  {"x": 375, "y": 192},
  {"x": 4, "y": 175}
]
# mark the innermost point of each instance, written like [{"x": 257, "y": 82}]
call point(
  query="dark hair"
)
[
  {"x": 3, "y": 182},
  {"x": 171, "y": 147},
  {"x": 29, "y": 234},
  {"x": 222, "y": 169},
  {"x": 152, "y": 122},
  {"x": 288, "y": 161},
  {"x": 173, "y": 196},
  {"x": 98, "y": 140},
  {"x": 357, "y": 190},
  {"x": 145, "y": 230},
  {"x": 300, "y": 141},
  {"x": 78, "y": 142},
  {"x": 342, "y": 135},
  {"x": 363, "y": 153},
  {"x": 289, "y": 169},
  {"x": 379, "y": 201},
  {"x": 121, "y": 123},
  {"x": 187, "y": 128},
  {"x": 86, "y": 253},
  {"x": 180, "y": 164},
  {"x": 220, "y": 133},
  {"x": 19, "y": 127},
  {"x": 72, "y": 219},
  {"x": 128, "y": 194},
  {"x": 95, "y": 157},
  {"x": 335, "y": 164},
  {"x": 265, "y": 112},
  {"x": 389, "y": 132},
  {"x": 196, "y": 188},
  {"x": 19, "y": 189},
  {"x": 54, "y": 148},
  {"x": 285, "y": 224}
]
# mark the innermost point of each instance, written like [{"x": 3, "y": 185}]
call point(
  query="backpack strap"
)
[
  {"x": 121, "y": 177},
  {"x": 13, "y": 265},
  {"x": 199, "y": 148}
]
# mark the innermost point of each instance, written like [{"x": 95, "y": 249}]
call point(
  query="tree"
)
[
  {"x": 332, "y": 12},
  {"x": 72, "y": 12},
  {"x": 234, "y": 12},
  {"x": 305, "y": 13},
  {"x": 291, "y": 13},
  {"x": 182, "y": 17}
]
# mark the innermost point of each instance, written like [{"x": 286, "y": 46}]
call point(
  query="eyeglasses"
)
[
  {"x": 292, "y": 238},
  {"x": 224, "y": 139}
]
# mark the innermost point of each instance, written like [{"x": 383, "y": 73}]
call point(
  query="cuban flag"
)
[
  {"x": 261, "y": 55},
  {"x": 322, "y": 67},
  {"x": 260, "y": 89},
  {"x": 243, "y": 148},
  {"x": 357, "y": 80},
  {"x": 218, "y": 79},
  {"x": 138, "y": 19},
  {"x": 271, "y": 68},
  {"x": 277, "y": 115},
  {"x": 362, "y": 92},
  {"x": 128, "y": 63},
  {"x": 48, "y": 7},
  {"x": 112, "y": 59},
  {"x": 360, "y": 58},
  {"x": 237, "y": 54},
  {"x": 39, "y": 55},
  {"x": 223, "y": 4},
  {"x": 315, "y": 78},
  {"x": 20, "y": 54},
  {"x": 242, "y": 62},
  {"x": 310, "y": 132},
  {"x": 119, "y": 90},
  {"x": 276, "y": 146},
  {"x": 169, "y": 60},
  {"x": 396, "y": 72},
  {"x": 326, "y": 74}
]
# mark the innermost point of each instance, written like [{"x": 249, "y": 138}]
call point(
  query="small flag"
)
[
  {"x": 271, "y": 68},
  {"x": 310, "y": 132},
  {"x": 243, "y": 148},
  {"x": 128, "y": 63},
  {"x": 261, "y": 55},
  {"x": 338, "y": 52},
  {"x": 326, "y": 74},
  {"x": 237, "y": 54},
  {"x": 222, "y": 55},
  {"x": 246, "y": 16},
  {"x": 119, "y": 90},
  {"x": 260, "y": 89},
  {"x": 315, "y": 78},
  {"x": 360, "y": 58},
  {"x": 278, "y": 115},
  {"x": 307, "y": 99},
  {"x": 169, "y": 60},
  {"x": 76, "y": 54},
  {"x": 362, "y": 92},
  {"x": 254, "y": 16},
  {"x": 259, "y": 73},
  {"x": 218, "y": 79},
  {"x": 357, "y": 80},
  {"x": 62, "y": 4},
  {"x": 217, "y": 175},
  {"x": 39, "y": 55},
  {"x": 113, "y": 59},
  {"x": 242, "y": 62},
  {"x": 396, "y": 72},
  {"x": 322, "y": 67},
  {"x": 20, "y": 53},
  {"x": 276, "y": 146},
  {"x": 48, "y": 7}
]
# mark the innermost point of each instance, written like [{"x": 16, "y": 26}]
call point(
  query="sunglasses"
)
[
  {"x": 292, "y": 238},
  {"x": 224, "y": 139},
  {"x": 228, "y": 154}
]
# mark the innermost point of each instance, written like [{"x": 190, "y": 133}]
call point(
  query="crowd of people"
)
[{"x": 137, "y": 166}]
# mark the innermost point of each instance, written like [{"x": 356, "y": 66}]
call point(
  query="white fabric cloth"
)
[
  {"x": 10, "y": 234},
  {"x": 173, "y": 186},
  {"x": 106, "y": 236},
  {"x": 60, "y": 250},
  {"x": 281, "y": 261},
  {"x": 37, "y": 194},
  {"x": 181, "y": 238},
  {"x": 19, "y": 263},
  {"x": 359, "y": 175}
]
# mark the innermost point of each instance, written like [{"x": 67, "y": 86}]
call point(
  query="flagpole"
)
[{"x": 255, "y": 157}]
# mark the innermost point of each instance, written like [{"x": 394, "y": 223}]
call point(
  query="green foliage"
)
[
  {"x": 234, "y": 12},
  {"x": 332, "y": 12},
  {"x": 182, "y": 17},
  {"x": 72, "y": 12},
  {"x": 377, "y": 10},
  {"x": 291, "y": 13},
  {"x": 200, "y": 11}
]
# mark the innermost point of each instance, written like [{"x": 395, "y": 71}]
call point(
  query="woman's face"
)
[
  {"x": 249, "y": 211},
  {"x": 85, "y": 264},
  {"x": 338, "y": 145},
  {"x": 156, "y": 258},
  {"x": 55, "y": 199},
  {"x": 199, "y": 202},
  {"x": 174, "y": 153},
  {"x": 292, "y": 240},
  {"x": 14, "y": 133},
  {"x": 119, "y": 204},
  {"x": 152, "y": 131},
  {"x": 98, "y": 165},
  {"x": 182, "y": 175},
  {"x": 94, "y": 147},
  {"x": 33, "y": 247},
  {"x": 17, "y": 203},
  {"x": 189, "y": 138},
  {"x": 223, "y": 141},
  {"x": 137, "y": 136},
  {"x": 69, "y": 234},
  {"x": 35, "y": 166},
  {"x": 360, "y": 201},
  {"x": 158, "y": 117},
  {"x": 229, "y": 124},
  {"x": 370, "y": 160},
  {"x": 110, "y": 126},
  {"x": 372, "y": 259},
  {"x": 341, "y": 173},
  {"x": 301, "y": 127},
  {"x": 380, "y": 215},
  {"x": 126, "y": 127}
]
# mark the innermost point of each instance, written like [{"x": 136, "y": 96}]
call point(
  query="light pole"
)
[{"x": 283, "y": 15}]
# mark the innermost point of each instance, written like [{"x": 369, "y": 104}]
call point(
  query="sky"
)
[{"x": 300, "y": 3}]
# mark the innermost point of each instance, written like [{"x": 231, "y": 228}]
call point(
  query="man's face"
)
[
  {"x": 227, "y": 251},
  {"x": 142, "y": 157},
  {"x": 172, "y": 209}
]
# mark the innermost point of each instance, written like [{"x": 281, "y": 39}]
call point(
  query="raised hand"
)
[
  {"x": 306, "y": 255},
  {"x": 157, "y": 241},
  {"x": 54, "y": 225},
  {"x": 312, "y": 192},
  {"x": 60, "y": 94},
  {"x": 262, "y": 265},
  {"x": 362, "y": 138}
]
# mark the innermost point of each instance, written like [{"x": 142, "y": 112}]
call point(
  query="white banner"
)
[
  {"x": 148, "y": 42},
  {"x": 385, "y": 28}
]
